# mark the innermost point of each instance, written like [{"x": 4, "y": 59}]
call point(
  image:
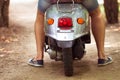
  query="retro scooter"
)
[{"x": 67, "y": 30}]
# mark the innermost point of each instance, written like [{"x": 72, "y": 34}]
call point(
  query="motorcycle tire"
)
[{"x": 68, "y": 61}]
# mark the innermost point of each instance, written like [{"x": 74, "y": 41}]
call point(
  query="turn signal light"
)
[
  {"x": 50, "y": 21},
  {"x": 80, "y": 21}
]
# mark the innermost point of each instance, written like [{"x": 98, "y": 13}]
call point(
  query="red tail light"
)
[{"x": 65, "y": 23}]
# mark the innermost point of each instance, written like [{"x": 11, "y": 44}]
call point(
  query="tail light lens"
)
[{"x": 65, "y": 23}]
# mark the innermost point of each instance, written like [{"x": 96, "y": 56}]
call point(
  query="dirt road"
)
[{"x": 17, "y": 45}]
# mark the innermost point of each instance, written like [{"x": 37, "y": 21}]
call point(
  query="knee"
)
[
  {"x": 39, "y": 16},
  {"x": 96, "y": 13}
]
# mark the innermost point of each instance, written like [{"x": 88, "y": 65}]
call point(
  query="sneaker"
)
[
  {"x": 36, "y": 63},
  {"x": 103, "y": 62}
]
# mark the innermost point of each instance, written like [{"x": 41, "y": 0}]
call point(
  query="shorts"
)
[{"x": 90, "y": 5}]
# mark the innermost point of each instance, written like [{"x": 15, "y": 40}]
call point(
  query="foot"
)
[
  {"x": 36, "y": 63},
  {"x": 103, "y": 62}
]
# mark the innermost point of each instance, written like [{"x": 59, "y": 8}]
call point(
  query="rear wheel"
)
[{"x": 68, "y": 61}]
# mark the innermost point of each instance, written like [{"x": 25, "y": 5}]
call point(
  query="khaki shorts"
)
[{"x": 90, "y": 5}]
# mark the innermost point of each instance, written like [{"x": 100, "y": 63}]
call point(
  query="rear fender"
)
[{"x": 77, "y": 30}]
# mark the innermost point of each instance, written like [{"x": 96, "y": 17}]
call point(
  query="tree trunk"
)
[
  {"x": 4, "y": 13},
  {"x": 111, "y": 10}
]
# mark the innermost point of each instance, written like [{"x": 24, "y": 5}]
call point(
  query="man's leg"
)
[
  {"x": 39, "y": 34},
  {"x": 98, "y": 29}
]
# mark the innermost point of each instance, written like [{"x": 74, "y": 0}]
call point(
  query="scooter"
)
[{"x": 67, "y": 30}]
